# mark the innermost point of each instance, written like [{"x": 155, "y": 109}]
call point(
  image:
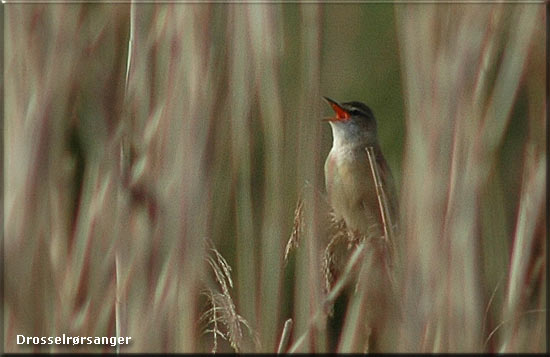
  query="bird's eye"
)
[{"x": 354, "y": 112}]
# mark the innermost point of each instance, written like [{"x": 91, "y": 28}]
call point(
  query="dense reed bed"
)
[{"x": 159, "y": 158}]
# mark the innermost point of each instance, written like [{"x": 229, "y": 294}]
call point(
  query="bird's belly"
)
[{"x": 352, "y": 194}]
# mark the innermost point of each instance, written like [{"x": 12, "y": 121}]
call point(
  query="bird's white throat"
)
[{"x": 347, "y": 137}]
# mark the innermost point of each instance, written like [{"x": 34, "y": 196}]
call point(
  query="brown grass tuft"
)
[{"x": 221, "y": 318}]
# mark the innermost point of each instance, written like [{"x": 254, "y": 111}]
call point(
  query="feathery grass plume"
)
[
  {"x": 297, "y": 229},
  {"x": 221, "y": 318},
  {"x": 340, "y": 237}
]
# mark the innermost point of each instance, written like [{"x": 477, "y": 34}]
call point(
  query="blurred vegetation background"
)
[{"x": 155, "y": 155}]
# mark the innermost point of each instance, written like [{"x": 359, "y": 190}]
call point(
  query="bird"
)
[
  {"x": 349, "y": 178},
  {"x": 365, "y": 198}
]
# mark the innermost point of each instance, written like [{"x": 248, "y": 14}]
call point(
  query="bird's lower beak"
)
[{"x": 341, "y": 113}]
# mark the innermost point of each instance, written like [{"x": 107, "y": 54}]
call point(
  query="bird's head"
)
[{"x": 354, "y": 122}]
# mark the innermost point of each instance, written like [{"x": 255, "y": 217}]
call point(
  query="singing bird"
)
[
  {"x": 355, "y": 199},
  {"x": 349, "y": 177}
]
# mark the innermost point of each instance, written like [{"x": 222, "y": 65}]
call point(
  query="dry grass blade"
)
[
  {"x": 297, "y": 229},
  {"x": 380, "y": 194}
]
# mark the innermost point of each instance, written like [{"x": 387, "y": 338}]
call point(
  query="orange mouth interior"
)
[{"x": 341, "y": 114}]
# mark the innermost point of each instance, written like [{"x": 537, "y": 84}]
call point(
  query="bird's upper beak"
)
[{"x": 341, "y": 113}]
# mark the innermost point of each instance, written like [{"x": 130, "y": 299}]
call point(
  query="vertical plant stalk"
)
[
  {"x": 380, "y": 194},
  {"x": 118, "y": 301},
  {"x": 383, "y": 206},
  {"x": 124, "y": 167},
  {"x": 285, "y": 336},
  {"x": 302, "y": 104}
]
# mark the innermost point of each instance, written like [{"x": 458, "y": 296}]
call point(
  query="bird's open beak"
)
[{"x": 341, "y": 113}]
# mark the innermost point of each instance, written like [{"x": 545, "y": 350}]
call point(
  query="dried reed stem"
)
[
  {"x": 380, "y": 194},
  {"x": 285, "y": 336}
]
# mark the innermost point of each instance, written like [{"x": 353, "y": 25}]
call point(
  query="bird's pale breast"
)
[{"x": 351, "y": 189}]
